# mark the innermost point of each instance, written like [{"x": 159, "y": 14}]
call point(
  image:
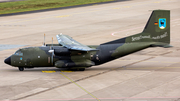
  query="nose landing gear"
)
[{"x": 21, "y": 68}]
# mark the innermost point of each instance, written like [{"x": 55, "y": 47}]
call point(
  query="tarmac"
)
[{"x": 152, "y": 74}]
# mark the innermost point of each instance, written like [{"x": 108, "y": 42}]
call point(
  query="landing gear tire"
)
[
  {"x": 21, "y": 68},
  {"x": 77, "y": 69},
  {"x": 81, "y": 69}
]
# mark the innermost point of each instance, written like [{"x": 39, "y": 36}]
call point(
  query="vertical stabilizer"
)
[{"x": 158, "y": 26}]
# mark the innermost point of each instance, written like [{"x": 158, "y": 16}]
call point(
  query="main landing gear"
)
[
  {"x": 21, "y": 68},
  {"x": 77, "y": 69},
  {"x": 80, "y": 69}
]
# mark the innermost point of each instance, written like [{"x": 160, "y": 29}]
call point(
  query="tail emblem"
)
[{"x": 162, "y": 23}]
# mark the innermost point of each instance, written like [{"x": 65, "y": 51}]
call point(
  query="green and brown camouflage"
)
[{"x": 73, "y": 55}]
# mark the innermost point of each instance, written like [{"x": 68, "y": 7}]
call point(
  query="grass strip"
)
[{"x": 32, "y": 5}]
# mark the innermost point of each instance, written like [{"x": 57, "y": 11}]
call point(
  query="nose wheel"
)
[{"x": 21, "y": 68}]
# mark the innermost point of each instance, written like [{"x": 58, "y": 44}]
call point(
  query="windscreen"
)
[{"x": 18, "y": 52}]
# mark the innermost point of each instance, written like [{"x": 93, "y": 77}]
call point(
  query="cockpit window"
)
[{"x": 19, "y": 53}]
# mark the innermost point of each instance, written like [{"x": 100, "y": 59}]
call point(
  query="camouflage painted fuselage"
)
[{"x": 155, "y": 33}]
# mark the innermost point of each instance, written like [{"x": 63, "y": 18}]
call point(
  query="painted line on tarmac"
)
[
  {"x": 67, "y": 71},
  {"x": 80, "y": 87},
  {"x": 157, "y": 2},
  {"x": 63, "y": 16},
  {"x": 12, "y": 25},
  {"x": 113, "y": 34},
  {"x": 150, "y": 68},
  {"x": 150, "y": 61},
  {"x": 118, "y": 68},
  {"x": 106, "y": 98},
  {"x": 49, "y": 71}
]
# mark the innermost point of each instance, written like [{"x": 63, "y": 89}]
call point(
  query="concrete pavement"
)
[{"x": 152, "y": 74}]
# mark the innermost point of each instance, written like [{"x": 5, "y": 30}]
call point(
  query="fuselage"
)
[{"x": 63, "y": 57}]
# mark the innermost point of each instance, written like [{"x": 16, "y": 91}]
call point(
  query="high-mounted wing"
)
[{"x": 70, "y": 43}]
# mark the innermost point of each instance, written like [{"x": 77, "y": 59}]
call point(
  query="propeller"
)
[{"x": 52, "y": 52}]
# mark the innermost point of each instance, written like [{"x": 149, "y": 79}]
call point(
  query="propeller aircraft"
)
[{"x": 74, "y": 55}]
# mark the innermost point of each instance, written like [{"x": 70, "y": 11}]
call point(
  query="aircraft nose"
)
[{"x": 8, "y": 61}]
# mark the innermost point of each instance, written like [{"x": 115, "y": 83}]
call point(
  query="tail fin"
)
[
  {"x": 155, "y": 33},
  {"x": 158, "y": 26}
]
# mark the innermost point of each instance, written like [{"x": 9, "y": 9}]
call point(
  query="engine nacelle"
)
[{"x": 62, "y": 51}]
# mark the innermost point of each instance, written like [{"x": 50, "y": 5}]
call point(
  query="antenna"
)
[
  {"x": 44, "y": 44},
  {"x": 44, "y": 40}
]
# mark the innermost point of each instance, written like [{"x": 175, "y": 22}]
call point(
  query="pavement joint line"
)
[
  {"x": 140, "y": 84},
  {"x": 138, "y": 93},
  {"x": 81, "y": 79},
  {"x": 157, "y": 86},
  {"x": 126, "y": 6},
  {"x": 149, "y": 68},
  {"x": 136, "y": 62},
  {"x": 121, "y": 68},
  {"x": 42, "y": 91},
  {"x": 150, "y": 61},
  {"x": 137, "y": 77},
  {"x": 166, "y": 53},
  {"x": 111, "y": 34},
  {"x": 80, "y": 86},
  {"x": 153, "y": 87}
]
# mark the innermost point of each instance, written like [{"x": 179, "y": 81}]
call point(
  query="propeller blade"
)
[{"x": 52, "y": 50}]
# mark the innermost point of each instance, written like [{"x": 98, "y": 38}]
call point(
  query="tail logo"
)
[{"x": 162, "y": 23}]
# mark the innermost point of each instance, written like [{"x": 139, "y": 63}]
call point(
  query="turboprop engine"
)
[{"x": 61, "y": 51}]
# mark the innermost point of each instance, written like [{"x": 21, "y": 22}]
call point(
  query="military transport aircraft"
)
[{"x": 74, "y": 55}]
